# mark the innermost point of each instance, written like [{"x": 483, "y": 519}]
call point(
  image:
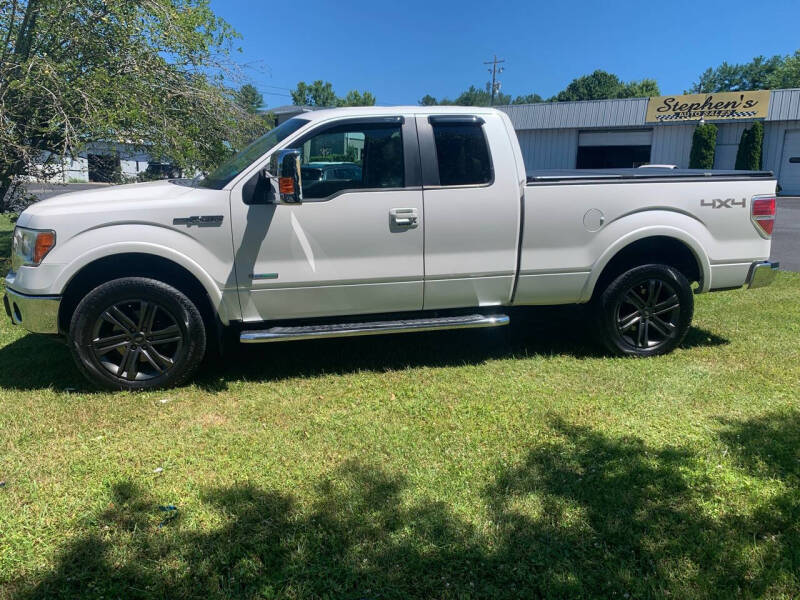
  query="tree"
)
[
  {"x": 249, "y": 98},
  {"x": 645, "y": 88},
  {"x": 528, "y": 99},
  {"x": 704, "y": 145},
  {"x": 471, "y": 97},
  {"x": 757, "y": 74},
  {"x": 786, "y": 74},
  {"x": 320, "y": 93},
  {"x": 601, "y": 85},
  {"x": 596, "y": 86},
  {"x": 477, "y": 97},
  {"x": 356, "y": 98},
  {"x": 749, "y": 153},
  {"x": 145, "y": 73}
]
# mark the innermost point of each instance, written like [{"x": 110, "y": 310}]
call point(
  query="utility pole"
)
[{"x": 495, "y": 72}]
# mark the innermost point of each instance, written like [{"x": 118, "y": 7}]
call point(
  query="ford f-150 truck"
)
[{"x": 438, "y": 227}]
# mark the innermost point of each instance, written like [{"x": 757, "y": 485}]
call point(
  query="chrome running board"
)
[{"x": 313, "y": 332}]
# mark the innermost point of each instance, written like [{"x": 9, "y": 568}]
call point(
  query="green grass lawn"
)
[{"x": 480, "y": 464}]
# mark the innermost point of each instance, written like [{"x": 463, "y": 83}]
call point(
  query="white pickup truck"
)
[{"x": 363, "y": 221}]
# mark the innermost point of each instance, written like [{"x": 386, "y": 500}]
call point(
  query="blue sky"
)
[{"x": 402, "y": 50}]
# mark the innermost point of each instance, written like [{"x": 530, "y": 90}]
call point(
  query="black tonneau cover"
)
[{"x": 643, "y": 173}]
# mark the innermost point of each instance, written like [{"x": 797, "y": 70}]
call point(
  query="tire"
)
[
  {"x": 137, "y": 334},
  {"x": 646, "y": 311}
]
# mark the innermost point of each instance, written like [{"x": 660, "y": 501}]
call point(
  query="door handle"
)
[{"x": 404, "y": 217}]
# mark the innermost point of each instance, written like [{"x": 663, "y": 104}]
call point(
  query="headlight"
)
[{"x": 30, "y": 246}]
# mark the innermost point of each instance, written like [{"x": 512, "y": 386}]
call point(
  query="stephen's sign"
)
[{"x": 723, "y": 105}]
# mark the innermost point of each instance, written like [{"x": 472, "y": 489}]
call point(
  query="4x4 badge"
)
[{"x": 724, "y": 203}]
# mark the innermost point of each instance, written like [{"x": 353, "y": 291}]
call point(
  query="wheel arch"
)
[
  {"x": 663, "y": 245},
  {"x": 94, "y": 272}
]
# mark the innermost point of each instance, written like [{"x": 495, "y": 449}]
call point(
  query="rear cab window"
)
[{"x": 462, "y": 152}]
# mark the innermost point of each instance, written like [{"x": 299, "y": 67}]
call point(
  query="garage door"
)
[
  {"x": 620, "y": 137},
  {"x": 613, "y": 149},
  {"x": 790, "y": 164}
]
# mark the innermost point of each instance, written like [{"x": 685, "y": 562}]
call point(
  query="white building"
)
[
  {"x": 105, "y": 162},
  {"x": 621, "y": 133}
]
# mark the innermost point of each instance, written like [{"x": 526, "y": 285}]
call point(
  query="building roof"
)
[
  {"x": 784, "y": 105},
  {"x": 629, "y": 112}
]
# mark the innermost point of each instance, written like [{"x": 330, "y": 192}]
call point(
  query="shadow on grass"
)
[
  {"x": 33, "y": 362},
  {"x": 37, "y": 362},
  {"x": 583, "y": 515},
  {"x": 536, "y": 331}
]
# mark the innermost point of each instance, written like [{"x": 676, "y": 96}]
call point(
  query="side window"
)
[
  {"x": 462, "y": 154},
  {"x": 353, "y": 156}
]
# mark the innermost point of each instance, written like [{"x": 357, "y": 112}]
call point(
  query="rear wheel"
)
[
  {"x": 137, "y": 333},
  {"x": 646, "y": 311}
]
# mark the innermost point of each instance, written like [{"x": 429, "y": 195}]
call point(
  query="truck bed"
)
[{"x": 649, "y": 174}]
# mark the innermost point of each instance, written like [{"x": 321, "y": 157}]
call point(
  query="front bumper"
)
[
  {"x": 762, "y": 274},
  {"x": 37, "y": 314}
]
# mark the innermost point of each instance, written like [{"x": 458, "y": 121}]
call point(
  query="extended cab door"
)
[
  {"x": 354, "y": 245},
  {"x": 472, "y": 210}
]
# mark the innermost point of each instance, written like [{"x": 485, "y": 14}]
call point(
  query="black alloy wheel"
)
[
  {"x": 137, "y": 333},
  {"x": 648, "y": 314},
  {"x": 137, "y": 340},
  {"x": 645, "y": 311}
]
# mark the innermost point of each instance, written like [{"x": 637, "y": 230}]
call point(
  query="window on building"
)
[
  {"x": 462, "y": 154},
  {"x": 352, "y": 156}
]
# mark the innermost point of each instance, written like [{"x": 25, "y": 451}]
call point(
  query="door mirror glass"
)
[{"x": 286, "y": 168}]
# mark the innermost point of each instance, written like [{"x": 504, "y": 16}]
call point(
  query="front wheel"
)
[
  {"x": 137, "y": 333},
  {"x": 646, "y": 311}
]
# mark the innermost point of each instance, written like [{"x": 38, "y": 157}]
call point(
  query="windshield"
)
[{"x": 224, "y": 173}]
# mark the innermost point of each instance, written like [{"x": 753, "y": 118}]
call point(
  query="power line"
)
[{"x": 495, "y": 72}]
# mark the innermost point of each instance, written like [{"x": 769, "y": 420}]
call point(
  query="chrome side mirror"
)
[{"x": 285, "y": 165}]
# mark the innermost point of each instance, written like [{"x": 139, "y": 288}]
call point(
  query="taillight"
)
[{"x": 762, "y": 213}]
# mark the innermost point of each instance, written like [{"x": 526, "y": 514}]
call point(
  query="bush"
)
[
  {"x": 17, "y": 199},
  {"x": 749, "y": 155},
  {"x": 704, "y": 144}
]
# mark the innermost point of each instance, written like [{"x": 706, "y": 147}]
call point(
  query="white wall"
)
[
  {"x": 549, "y": 148},
  {"x": 728, "y": 137},
  {"x": 774, "y": 134},
  {"x": 132, "y": 162},
  {"x": 672, "y": 145},
  {"x": 558, "y": 148}
]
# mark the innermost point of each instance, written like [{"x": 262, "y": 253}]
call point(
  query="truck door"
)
[
  {"x": 354, "y": 245},
  {"x": 472, "y": 210}
]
